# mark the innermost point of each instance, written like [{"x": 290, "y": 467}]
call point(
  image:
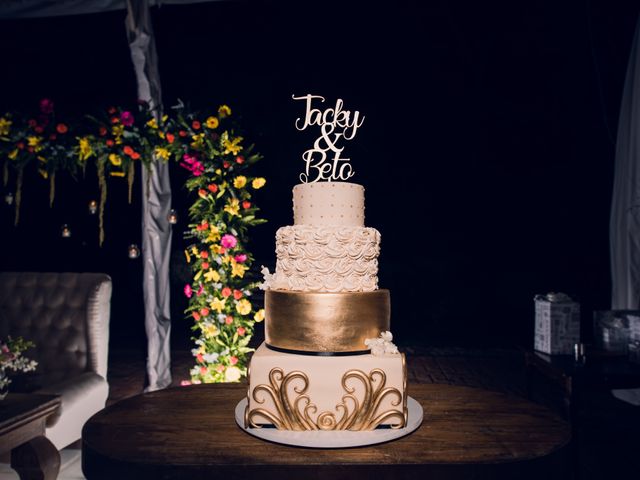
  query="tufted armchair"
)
[{"x": 66, "y": 315}]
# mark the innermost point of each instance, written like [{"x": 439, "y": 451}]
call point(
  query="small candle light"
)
[
  {"x": 172, "y": 217},
  {"x": 8, "y": 198},
  {"x": 134, "y": 251},
  {"x": 65, "y": 231},
  {"x": 93, "y": 207}
]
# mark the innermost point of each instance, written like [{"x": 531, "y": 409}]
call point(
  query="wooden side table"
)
[
  {"x": 22, "y": 426},
  {"x": 190, "y": 432}
]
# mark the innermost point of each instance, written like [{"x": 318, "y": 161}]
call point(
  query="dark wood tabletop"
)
[
  {"x": 190, "y": 432},
  {"x": 23, "y": 419}
]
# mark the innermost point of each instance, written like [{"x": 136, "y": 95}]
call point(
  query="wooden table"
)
[
  {"x": 22, "y": 425},
  {"x": 190, "y": 432}
]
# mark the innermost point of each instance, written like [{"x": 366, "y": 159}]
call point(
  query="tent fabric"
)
[
  {"x": 156, "y": 204},
  {"x": 624, "y": 227},
  {"x": 54, "y": 8}
]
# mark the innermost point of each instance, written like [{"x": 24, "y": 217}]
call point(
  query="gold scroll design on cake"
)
[{"x": 296, "y": 413}]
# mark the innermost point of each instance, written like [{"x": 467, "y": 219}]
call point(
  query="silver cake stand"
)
[{"x": 334, "y": 439}]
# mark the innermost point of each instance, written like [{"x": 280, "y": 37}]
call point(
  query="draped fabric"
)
[
  {"x": 156, "y": 203},
  {"x": 624, "y": 228}
]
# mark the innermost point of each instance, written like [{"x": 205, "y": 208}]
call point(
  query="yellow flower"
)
[
  {"x": 152, "y": 123},
  {"x": 226, "y": 259},
  {"x": 162, "y": 153},
  {"x": 237, "y": 269},
  {"x": 194, "y": 250},
  {"x": 43, "y": 173},
  {"x": 212, "y": 122},
  {"x": 232, "y": 374},
  {"x": 115, "y": 160},
  {"x": 5, "y": 126},
  {"x": 84, "y": 151},
  {"x": 212, "y": 276},
  {"x": 214, "y": 235},
  {"x": 224, "y": 111},
  {"x": 117, "y": 131},
  {"x": 116, "y": 174},
  {"x": 198, "y": 140},
  {"x": 231, "y": 146},
  {"x": 240, "y": 181},
  {"x": 13, "y": 154},
  {"x": 218, "y": 304},
  {"x": 35, "y": 143},
  {"x": 258, "y": 183},
  {"x": 210, "y": 330},
  {"x": 243, "y": 306},
  {"x": 188, "y": 257},
  {"x": 233, "y": 207},
  {"x": 259, "y": 315}
]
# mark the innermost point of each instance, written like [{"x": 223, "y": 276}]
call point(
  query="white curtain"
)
[{"x": 624, "y": 228}]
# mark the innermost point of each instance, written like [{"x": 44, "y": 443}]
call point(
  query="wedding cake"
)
[{"x": 327, "y": 362}]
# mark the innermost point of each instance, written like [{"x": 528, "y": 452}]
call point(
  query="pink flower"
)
[
  {"x": 200, "y": 290},
  {"x": 241, "y": 331},
  {"x": 241, "y": 258},
  {"x": 126, "y": 118},
  {"x": 46, "y": 106},
  {"x": 192, "y": 164},
  {"x": 188, "y": 291},
  {"x": 228, "y": 241},
  {"x": 233, "y": 360}
]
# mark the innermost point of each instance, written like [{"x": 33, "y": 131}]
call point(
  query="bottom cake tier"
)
[{"x": 308, "y": 392}]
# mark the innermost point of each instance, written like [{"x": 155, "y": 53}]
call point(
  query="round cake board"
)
[{"x": 334, "y": 439}]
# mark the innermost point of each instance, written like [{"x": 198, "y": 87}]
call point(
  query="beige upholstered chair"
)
[{"x": 67, "y": 316}]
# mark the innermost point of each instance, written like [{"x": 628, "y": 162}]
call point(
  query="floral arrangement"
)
[
  {"x": 221, "y": 213},
  {"x": 208, "y": 146},
  {"x": 11, "y": 359}
]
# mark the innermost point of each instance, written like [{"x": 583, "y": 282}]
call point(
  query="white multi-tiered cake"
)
[{"x": 324, "y": 312}]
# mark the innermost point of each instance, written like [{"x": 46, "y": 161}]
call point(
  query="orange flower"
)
[
  {"x": 196, "y": 316},
  {"x": 196, "y": 125},
  {"x": 170, "y": 137},
  {"x": 204, "y": 254},
  {"x": 109, "y": 143},
  {"x": 246, "y": 204},
  {"x": 213, "y": 188},
  {"x": 202, "y": 193},
  {"x": 205, "y": 266},
  {"x": 62, "y": 128},
  {"x": 204, "y": 311},
  {"x": 135, "y": 155},
  {"x": 226, "y": 292},
  {"x": 128, "y": 150},
  {"x": 203, "y": 226},
  {"x": 115, "y": 120},
  {"x": 237, "y": 294}
]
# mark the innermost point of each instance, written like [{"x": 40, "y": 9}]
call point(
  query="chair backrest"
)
[{"x": 66, "y": 315}]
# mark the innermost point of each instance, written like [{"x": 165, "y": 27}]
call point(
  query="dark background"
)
[{"x": 487, "y": 150}]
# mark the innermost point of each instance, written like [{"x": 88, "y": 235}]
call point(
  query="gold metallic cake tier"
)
[{"x": 325, "y": 323}]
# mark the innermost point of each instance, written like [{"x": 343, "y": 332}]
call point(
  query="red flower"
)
[
  {"x": 196, "y": 316},
  {"x": 226, "y": 164},
  {"x": 111, "y": 110},
  {"x": 135, "y": 156},
  {"x": 226, "y": 292},
  {"x": 241, "y": 331},
  {"x": 204, "y": 311},
  {"x": 228, "y": 320},
  {"x": 182, "y": 133},
  {"x": 213, "y": 188},
  {"x": 203, "y": 226},
  {"x": 203, "y": 370},
  {"x": 110, "y": 143},
  {"x": 204, "y": 254},
  {"x": 102, "y": 131},
  {"x": 128, "y": 150},
  {"x": 205, "y": 265},
  {"x": 62, "y": 128},
  {"x": 240, "y": 159},
  {"x": 170, "y": 137},
  {"x": 39, "y": 129},
  {"x": 115, "y": 120},
  {"x": 233, "y": 360},
  {"x": 237, "y": 294},
  {"x": 202, "y": 193},
  {"x": 200, "y": 358},
  {"x": 196, "y": 125},
  {"x": 246, "y": 204}
]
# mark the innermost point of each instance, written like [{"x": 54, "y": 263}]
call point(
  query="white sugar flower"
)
[
  {"x": 387, "y": 336},
  {"x": 382, "y": 344},
  {"x": 268, "y": 278}
]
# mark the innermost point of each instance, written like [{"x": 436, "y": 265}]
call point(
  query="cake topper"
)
[{"x": 323, "y": 161}]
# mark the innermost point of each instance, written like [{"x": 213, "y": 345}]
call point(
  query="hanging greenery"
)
[{"x": 222, "y": 212}]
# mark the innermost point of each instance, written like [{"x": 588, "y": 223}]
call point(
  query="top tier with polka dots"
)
[{"x": 328, "y": 203}]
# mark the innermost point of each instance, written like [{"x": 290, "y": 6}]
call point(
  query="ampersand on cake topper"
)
[{"x": 323, "y": 161}]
